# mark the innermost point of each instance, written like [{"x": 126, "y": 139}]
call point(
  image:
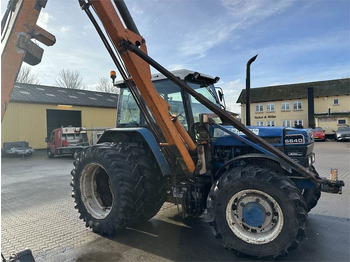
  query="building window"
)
[
  {"x": 297, "y": 105},
  {"x": 336, "y": 101},
  {"x": 341, "y": 122},
  {"x": 298, "y": 123},
  {"x": 259, "y": 123},
  {"x": 270, "y": 107},
  {"x": 259, "y": 108},
  {"x": 270, "y": 123},
  {"x": 285, "y": 106},
  {"x": 286, "y": 123}
]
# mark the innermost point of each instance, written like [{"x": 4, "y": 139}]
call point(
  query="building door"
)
[{"x": 59, "y": 118}]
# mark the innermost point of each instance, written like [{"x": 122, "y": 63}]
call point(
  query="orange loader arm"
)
[
  {"x": 18, "y": 27},
  {"x": 141, "y": 75}
]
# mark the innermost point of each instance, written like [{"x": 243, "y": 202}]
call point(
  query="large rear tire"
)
[
  {"x": 150, "y": 190},
  {"x": 257, "y": 212},
  {"x": 115, "y": 187}
]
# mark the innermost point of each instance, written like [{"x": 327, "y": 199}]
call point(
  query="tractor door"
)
[{"x": 129, "y": 114}]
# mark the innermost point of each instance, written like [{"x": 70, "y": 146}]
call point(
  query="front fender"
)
[
  {"x": 265, "y": 160},
  {"x": 138, "y": 135}
]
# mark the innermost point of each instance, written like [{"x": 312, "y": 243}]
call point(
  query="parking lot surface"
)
[{"x": 37, "y": 212}]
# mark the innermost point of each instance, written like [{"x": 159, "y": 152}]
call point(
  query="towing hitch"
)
[{"x": 332, "y": 185}]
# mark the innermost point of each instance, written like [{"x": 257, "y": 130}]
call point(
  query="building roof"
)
[
  {"x": 297, "y": 91},
  {"x": 38, "y": 94}
]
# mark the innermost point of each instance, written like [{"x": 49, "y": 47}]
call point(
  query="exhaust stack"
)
[{"x": 247, "y": 90}]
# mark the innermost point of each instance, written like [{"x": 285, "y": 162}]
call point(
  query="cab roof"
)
[{"x": 183, "y": 74}]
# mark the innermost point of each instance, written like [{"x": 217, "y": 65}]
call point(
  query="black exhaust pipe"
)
[{"x": 247, "y": 91}]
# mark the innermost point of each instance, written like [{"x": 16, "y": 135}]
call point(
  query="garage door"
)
[{"x": 58, "y": 118}]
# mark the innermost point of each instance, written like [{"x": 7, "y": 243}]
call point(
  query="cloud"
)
[
  {"x": 92, "y": 87},
  {"x": 88, "y": 27},
  {"x": 331, "y": 41},
  {"x": 236, "y": 15},
  {"x": 176, "y": 67},
  {"x": 198, "y": 43},
  {"x": 44, "y": 20},
  {"x": 65, "y": 29},
  {"x": 232, "y": 90},
  {"x": 137, "y": 10},
  {"x": 250, "y": 12}
]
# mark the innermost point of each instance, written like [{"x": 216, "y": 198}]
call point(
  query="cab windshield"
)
[
  {"x": 208, "y": 91},
  {"x": 129, "y": 113}
]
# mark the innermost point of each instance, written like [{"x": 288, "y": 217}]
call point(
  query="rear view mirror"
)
[
  {"x": 46, "y": 139},
  {"x": 220, "y": 93}
]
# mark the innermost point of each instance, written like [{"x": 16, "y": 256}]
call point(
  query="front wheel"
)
[
  {"x": 311, "y": 197},
  {"x": 256, "y": 212}
]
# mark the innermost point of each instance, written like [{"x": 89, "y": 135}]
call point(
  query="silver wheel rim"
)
[
  {"x": 267, "y": 229},
  {"x": 89, "y": 192}
]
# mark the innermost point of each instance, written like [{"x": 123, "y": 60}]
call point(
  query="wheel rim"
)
[
  {"x": 96, "y": 191},
  {"x": 254, "y": 216}
]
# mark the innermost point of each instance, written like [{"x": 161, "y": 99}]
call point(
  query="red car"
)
[{"x": 319, "y": 134}]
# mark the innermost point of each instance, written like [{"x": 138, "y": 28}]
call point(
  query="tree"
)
[
  {"x": 26, "y": 76},
  {"x": 106, "y": 85},
  {"x": 70, "y": 79}
]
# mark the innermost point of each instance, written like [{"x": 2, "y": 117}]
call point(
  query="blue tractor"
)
[
  {"x": 175, "y": 142},
  {"x": 254, "y": 201}
]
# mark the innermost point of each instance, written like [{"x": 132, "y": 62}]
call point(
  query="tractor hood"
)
[{"x": 277, "y": 136}]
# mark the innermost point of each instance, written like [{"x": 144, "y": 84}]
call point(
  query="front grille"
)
[{"x": 273, "y": 139}]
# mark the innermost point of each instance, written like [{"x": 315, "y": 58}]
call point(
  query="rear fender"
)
[{"x": 137, "y": 135}]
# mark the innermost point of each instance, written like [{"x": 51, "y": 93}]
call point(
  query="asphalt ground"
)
[{"x": 37, "y": 212}]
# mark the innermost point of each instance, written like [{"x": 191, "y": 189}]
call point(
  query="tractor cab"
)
[{"x": 183, "y": 105}]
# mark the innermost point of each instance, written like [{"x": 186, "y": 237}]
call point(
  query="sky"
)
[{"x": 296, "y": 41}]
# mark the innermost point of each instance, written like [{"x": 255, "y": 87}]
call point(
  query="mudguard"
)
[
  {"x": 137, "y": 134},
  {"x": 256, "y": 156}
]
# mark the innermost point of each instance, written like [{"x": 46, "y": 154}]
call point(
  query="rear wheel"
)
[
  {"x": 150, "y": 191},
  {"x": 111, "y": 187},
  {"x": 257, "y": 212}
]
